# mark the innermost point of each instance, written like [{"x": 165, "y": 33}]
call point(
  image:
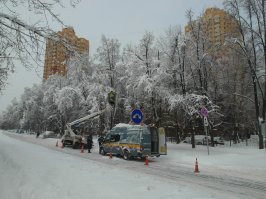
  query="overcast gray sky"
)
[{"x": 125, "y": 20}]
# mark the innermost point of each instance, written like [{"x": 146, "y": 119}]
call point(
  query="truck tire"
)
[
  {"x": 102, "y": 152},
  {"x": 199, "y": 143},
  {"x": 126, "y": 155},
  {"x": 75, "y": 145}
]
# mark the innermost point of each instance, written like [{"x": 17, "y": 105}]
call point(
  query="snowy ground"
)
[{"x": 37, "y": 169}]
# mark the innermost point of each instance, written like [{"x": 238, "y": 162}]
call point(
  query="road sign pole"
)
[
  {"x": 207, "y": 140},
  {"x": 206, "y": 132},
  {"x": 204, "y": 112}
]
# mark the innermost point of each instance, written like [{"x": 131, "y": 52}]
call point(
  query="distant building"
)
[
  {"x": 217, "y": 25},
  {"x": 59, "y": 50}
]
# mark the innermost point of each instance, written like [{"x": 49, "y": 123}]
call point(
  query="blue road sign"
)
[{"x": 136, "y": 116}]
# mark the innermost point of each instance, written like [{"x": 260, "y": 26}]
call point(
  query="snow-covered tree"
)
[
  {"x": 173, "y": 57},
  {"x": 12, "y": 116},
  {"x": 143, "y": 77},
  {"x": 33, "y": 112},
  {"x": 173, "y": 75},
  {"x": 198, "y": 54},
  {"x": 108, "y": 56},
  {"x": 190, "y": 106},
  {"x": 251, "y": 18}
]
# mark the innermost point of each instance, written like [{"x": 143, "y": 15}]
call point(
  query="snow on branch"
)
[
  {"x": 67, "y": 98},
  {"x": 192, "y": 103},
  {"x": 15, "y": 20}
]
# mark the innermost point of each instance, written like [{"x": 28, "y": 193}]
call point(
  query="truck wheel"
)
[
  {"x": 102, "y": 152},
  {"x": 75, "y": 145},
  {"x": 126, "y": 155},
  {"x": 199, "y": 143}
]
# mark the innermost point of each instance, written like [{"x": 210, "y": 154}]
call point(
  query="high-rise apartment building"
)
[
  {"x": 217, "y": 25},
  {"x": 58, "y": 51}
]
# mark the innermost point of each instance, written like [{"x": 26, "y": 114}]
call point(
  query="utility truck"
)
[
  {"x": 75, "y": 138},
  {"x": 134, "y": 141}
]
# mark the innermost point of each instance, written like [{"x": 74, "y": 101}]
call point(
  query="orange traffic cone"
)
[
  {"x": 196, "y": 167},
  {"x": 82, "y": 148},
  {"x": 146, "y": 160},
  {"x": 56, "y": 143},
  {"x": 110, "y": 155}
]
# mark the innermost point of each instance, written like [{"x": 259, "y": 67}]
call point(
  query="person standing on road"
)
[
  {"x": 100, "y": 141},
  {"x": 37, "y": 134},
  {"x": 89, "y": 143}
]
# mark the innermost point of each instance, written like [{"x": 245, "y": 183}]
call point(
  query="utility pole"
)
[{"x": 193, "y": 137}]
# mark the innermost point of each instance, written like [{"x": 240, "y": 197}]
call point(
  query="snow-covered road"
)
[{"x": 31, "y": 171}]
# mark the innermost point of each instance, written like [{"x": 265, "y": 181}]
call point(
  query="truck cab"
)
[{"x": 74, "y": 139}]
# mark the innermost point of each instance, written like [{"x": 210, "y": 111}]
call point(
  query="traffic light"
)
[{"x": 111, "y": 98}]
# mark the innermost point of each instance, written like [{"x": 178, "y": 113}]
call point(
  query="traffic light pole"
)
[
  {"x": 112, "y": 111},
  {"x": 112, "y": 102}
]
